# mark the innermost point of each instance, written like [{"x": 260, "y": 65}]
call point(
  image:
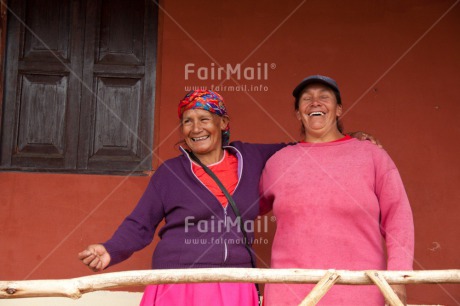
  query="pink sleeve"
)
[{"x": 396, "y": 222}]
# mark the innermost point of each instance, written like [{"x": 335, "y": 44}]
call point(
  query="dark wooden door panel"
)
[
  {"x": 42, "y": 114},
  {"x": 121, "y": 34},
  {"x": 47, "y": 35},
  {"x": 117, "y": 118},
  {"x": 42, "y": 84},
  {"x": 119, "y": 61}
]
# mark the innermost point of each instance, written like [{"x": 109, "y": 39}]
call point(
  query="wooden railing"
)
[{"x": 325, "y": 279}]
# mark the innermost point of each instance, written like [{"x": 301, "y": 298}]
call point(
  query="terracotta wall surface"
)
[{"x": 397, "y": 64}]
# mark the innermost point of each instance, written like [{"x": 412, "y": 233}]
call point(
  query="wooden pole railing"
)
[{"x": 325, "y": 279}]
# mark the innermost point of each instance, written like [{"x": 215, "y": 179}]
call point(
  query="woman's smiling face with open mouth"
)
[
  {"x": 202, "y": 131},
  {"x": 318, "y": 110}
]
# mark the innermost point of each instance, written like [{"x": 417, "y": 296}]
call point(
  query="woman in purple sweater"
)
[
  {"x": 335, "y": 200},
  {"x": 200, "y": 230}
]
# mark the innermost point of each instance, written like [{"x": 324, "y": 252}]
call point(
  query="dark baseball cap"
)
[{"x": 318, "y": 79}]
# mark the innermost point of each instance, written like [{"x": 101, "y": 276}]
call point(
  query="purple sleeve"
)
[
  {"x": 137, "y": 230},
  {"x": 270, "y": 149},
  {"x": 261, "y": 151}
]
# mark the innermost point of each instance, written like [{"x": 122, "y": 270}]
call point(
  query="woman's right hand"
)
[{"x": 95, "y": 257}]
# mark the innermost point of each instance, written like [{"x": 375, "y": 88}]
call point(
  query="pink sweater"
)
[{"x": 337, "y": 205}]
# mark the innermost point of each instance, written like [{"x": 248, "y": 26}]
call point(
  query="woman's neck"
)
[
  {"x": 211, "y": 158},
  {"x": 320, "y": 137}
]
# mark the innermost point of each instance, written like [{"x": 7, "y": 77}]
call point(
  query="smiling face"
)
[
  {"x": 202, "y": 132},
  {"x": 318, "y": 111}
]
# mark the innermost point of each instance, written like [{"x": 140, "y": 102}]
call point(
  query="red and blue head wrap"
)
[{"x": 207, "y": 100}]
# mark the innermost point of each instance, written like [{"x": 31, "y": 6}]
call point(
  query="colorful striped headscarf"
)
[{"x": 207, "y": 100}]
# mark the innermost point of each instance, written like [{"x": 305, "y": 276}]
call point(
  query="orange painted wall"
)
[{"x": 397, "y": 64}]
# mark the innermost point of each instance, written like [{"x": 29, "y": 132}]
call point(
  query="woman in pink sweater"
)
[{"x": 339, "y": 204}]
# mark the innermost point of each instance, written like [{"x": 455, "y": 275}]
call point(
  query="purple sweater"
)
[{"x": 198, "y": 231}]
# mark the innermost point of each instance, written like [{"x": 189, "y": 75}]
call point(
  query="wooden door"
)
[
  {"x": 43, "y": 69},
  {"x": 119, "y": 74},
  {"x": 79, "y": 85}
]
